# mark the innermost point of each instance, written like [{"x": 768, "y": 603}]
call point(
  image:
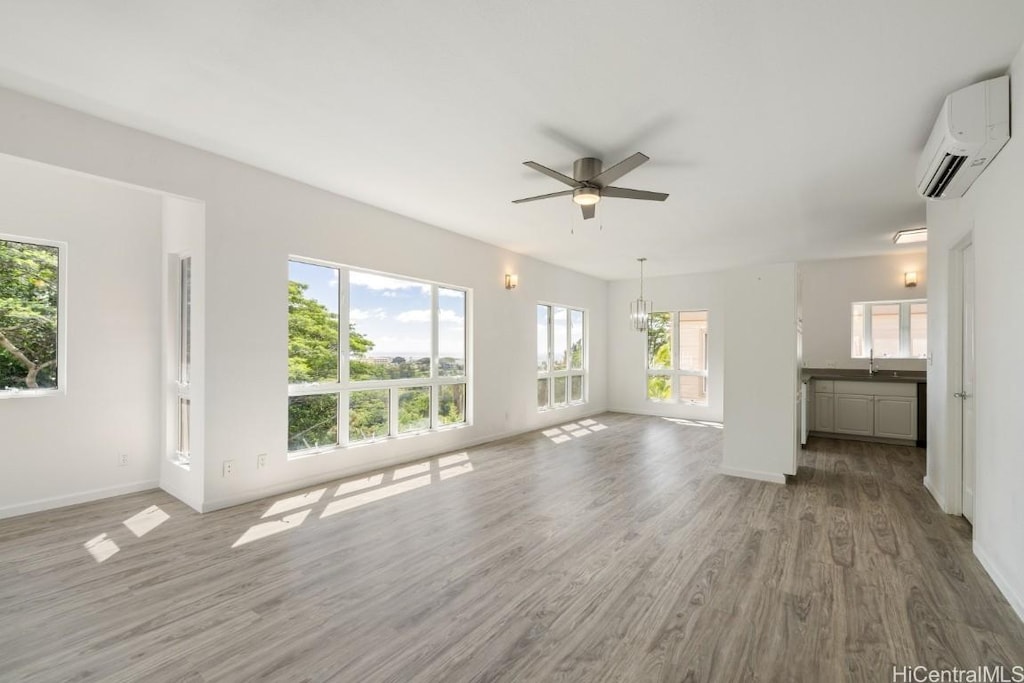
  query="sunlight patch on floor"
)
[
  {"x": 258, "y": 531},
  {"x": 573, "y": 429},
  {"x": 450, "y": 472},
  {"x": 361, "y": 499},
  {"x": 101, "y": 547},
  {"x": 411, "y": 470},
  {"x": 294, "y": 502},
  {"x": 694, "y": 423},
  {"x": 357, "y": 492},
  {"x": 359, "y": 484},
  {"x": 142, "y": 523}
]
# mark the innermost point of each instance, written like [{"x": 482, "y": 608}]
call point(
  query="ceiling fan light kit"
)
[{"x": 590, "y": 183}]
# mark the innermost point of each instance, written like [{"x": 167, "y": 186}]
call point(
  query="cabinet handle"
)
[{"x": 962, "y": 395}]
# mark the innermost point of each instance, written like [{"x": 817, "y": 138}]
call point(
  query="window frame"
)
[
  {"x": 344, "y": 386},
  {"x": 675, "y": 372},
  {"x": 62, "y": 320},
  {"x": 567, "y": 374},
  {"x": 905, "y": 341},
  {"x": 182, "y": 452}
]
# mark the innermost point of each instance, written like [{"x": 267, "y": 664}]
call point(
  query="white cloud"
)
[
  {"x": 423, "y": 316},
  {"x": 453, "y": 293},
  {"x": 360, "y": 314},
  {"x": 380, "y": 283}
]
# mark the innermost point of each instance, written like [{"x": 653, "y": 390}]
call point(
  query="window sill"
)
[
  {"x": 561, "y": 407},
  {"x": 677, "y": 402},
  {"x": 30, "y": 393},
  {"x": 322, "y": 450}
]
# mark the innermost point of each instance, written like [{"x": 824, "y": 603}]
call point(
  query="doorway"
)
[{"x": 966, "y": 379}]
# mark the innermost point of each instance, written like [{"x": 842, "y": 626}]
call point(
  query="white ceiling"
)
[{"x": 783, "y": 130}]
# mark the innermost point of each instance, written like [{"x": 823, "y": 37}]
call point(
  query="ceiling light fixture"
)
[
  {"x": 586, "y": 196},
  {"x": 911, "y": 236},
  {"x": 640, "y": 310}
]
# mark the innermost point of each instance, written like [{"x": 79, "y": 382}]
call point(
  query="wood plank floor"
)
[{"x": 610, "y": 550}]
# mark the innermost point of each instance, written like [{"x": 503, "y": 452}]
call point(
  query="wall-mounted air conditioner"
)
[{"x": 972, "y": 127}]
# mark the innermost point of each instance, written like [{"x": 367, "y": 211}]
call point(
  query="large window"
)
[
  {"x": 889, "y": 329},
  {"x": 30, "y": 316},
  {"x": 403, "y": 370},
  {"x": 561, "y": 356},
  {"x": 677, "y": 357}
]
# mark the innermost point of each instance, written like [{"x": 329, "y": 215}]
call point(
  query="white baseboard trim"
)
[
  {"x": 939, "y": 498},
  {"x": 291, "y": 485},
  {"x": 772, "y": 477},
  {"x": 74, "y": 498},
  {"x": 1011, "y": 595}
]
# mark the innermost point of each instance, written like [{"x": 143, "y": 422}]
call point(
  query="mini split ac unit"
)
[{"x": 972, "y": 127}]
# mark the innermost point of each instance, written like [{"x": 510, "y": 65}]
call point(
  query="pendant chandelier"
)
[{"x": 640, "y": 309}]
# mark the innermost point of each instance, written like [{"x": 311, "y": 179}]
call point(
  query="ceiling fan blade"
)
[
  {"x": 626, "y": 193},
  {"x": 542, "y": 196},
  {"x": 588, "y": 210},
  {"x": 552, "y": 174},
  {"x": 613, "y": 173}
]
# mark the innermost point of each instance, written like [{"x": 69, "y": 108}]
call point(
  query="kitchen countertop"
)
[{"x": 909, "y": 376}]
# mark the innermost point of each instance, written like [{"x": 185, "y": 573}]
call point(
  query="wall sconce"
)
[
  {"x": 511, "y": 281},
  {"x": 910, "y": 279}
]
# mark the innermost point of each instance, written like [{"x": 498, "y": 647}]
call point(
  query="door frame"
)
[{"x": 954, "y": 378}]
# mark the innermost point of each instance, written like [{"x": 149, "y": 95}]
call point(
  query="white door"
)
[{"x": 967, "y": 385}]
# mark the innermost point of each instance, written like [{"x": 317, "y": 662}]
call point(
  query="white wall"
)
[
  {"x": 829, "y": 287},
  {"x": 62, "y": 448},
  {"x": 254, "y": 221},
  {"x": 627, "y": 388},
  {"x": 994, "y": 210},
  {"x": 761, "y": 373}
]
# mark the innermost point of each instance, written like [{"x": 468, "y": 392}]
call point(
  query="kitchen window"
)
[
  {"x": 677, "y": 357},
  {"x": 402, "y": 371},
  {"x": 561, "y": 356},
  {"x": 889, "y": 329}
]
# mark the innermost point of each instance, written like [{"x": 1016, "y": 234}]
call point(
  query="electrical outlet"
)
[
  {"x": 261, "y": 461},
  {"x": 122, "y": 459},
  {"x": 229, "y": 468}
]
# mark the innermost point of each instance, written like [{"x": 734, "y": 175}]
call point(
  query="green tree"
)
[
  {"x": 28, "y": 315},
  {"x": 313, "y": 338}
]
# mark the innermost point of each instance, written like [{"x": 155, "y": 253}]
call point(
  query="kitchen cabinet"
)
[
  {"x": 854, "y": 414},
  {"x": 824, "y": 412},
  {"x": 869, "y": 408},
  {"x": 896, "y": 417}
]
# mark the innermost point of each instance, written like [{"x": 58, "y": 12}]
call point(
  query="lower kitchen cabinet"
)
[
  {"x": 824, "y": 412},
  {"x": 855, "y": 415},
  {"x": 866, "y": 408},
  {"x": 896, "y": 417}
]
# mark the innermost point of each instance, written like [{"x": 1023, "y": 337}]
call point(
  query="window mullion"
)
[{"x": 869, "y": 340}]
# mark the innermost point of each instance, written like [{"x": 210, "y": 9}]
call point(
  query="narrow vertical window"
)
[
  {"x": 30, "y": 328},
  {"x": 561, "y": 356},
  {"x": 677, "y": 357},
  {"x": 183, "y": 446}
]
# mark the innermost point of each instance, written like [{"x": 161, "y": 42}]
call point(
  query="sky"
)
[{"x": 394, "y": 313}]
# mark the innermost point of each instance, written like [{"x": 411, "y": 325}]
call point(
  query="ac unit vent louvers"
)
[{"x": 944, "y": 174}]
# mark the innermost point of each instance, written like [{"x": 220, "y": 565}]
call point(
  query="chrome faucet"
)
[{"x": 871, "y": 363}]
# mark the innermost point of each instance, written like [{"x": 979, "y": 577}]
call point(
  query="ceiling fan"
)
[{"x": 589, "y": 183}]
